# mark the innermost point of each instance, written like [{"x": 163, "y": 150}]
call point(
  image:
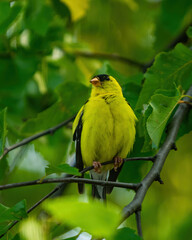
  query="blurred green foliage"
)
[{"x": 49, "y": 50}]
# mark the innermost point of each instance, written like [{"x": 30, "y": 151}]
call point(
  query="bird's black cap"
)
[{"x": 102, "y": 77}]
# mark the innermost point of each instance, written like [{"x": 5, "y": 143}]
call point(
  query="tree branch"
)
[
  {"x": 133, "y": 186},
  {"x": 75, "y": 179},
  {"x": 162, "y": 154},
  {"x": 38, "y": 135},
  {"x": 138, "y": 220}
]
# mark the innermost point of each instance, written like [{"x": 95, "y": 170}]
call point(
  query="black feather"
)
[
  {"x": 102, "y": 77},
  {"x": 79, "y": 160},
  {"x": 96, "y": 194},
  {"x": 113, "y": 175}
]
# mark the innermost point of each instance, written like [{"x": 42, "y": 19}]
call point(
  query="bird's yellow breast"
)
[{"x": 108, "y": 129}]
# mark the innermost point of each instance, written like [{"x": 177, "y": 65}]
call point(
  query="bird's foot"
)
[
  {"x": 97, "y": 167},
  {"x": 117, "y": 162}
]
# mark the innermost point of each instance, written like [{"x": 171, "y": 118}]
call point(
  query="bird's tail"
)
[{"x": 98, "y": 191}]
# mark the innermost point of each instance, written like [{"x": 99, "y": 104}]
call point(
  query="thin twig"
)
[
  {"x": 38, "y": 135},
  {"x": 133, "y": 186},
  {"x": 151, "y": 159},
  {"x": 160, "y": 159},
  {"x": 110, "y": 56},
  {"x": 138, "y": 221},
  {"x": 187, "y": 102},
  {"x": 73, "y": 179}
]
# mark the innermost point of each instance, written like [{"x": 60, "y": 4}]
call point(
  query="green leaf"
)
[
  {"x": 61, "y": 9},
  {"x": 72, "y": 96},
  {"x": 3, "y": 129},
  {"x": 12, "y": 14},
  {"x": 17, "y": 212},
  {"x": 94, "y": 217},
  {"x": 63, "y": 168},
  {"x": 126, "y": 234},
  {"x": 170, "y": 20},
  {"x": 3, "y": 168},
  {"x": 17, "y": 237},
  {"x": 186, "y": 125},
  {"x": 131, "y": 92},
  {"x": 5, "y": 10},
  {"x": 8, "y": 215},
  {"x": 39, "y": 18},
  {"x": 168, "y": 68},
  {"x": 163, "y": 107},
  {"x": 189, "y": 32},
  {"x": 147, "y": 146}
]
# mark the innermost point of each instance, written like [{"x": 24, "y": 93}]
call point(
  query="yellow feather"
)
[{"x": 108, "y": 125}]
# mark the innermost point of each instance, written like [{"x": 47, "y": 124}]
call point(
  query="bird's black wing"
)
[
  {"x": 77, "y": 139},
  {"x": 113, "y": 175}
]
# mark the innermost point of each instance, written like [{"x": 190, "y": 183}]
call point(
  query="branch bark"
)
[
  {"x": 161, "y": 156},
  {"x": 138, "y": 220},
  {"x": 133, "y": 186}
]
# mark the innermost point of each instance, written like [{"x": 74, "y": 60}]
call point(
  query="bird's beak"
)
[{"x": 96, "y": 82}]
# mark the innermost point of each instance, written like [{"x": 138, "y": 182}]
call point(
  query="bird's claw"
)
[
  {"x": 117, "y": 162},
  {"x": 97, "y": 166}
]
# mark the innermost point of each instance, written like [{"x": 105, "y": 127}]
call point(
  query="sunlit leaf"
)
[
  {"x": 31, "y": 229},
  {"x": 63, "y": 168},
  {"x": 78, "y": 8},
  {"x": 132, "y": 4},
  {"x": 94, "y": 217}
]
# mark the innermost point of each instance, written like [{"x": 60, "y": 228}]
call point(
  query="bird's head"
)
[{"x": 103, "y": 84}]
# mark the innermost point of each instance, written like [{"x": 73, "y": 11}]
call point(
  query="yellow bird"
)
[{"x": 104, "y": 129}]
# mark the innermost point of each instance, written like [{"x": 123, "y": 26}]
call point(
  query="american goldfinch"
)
[{"x": 104, "y": 129}]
